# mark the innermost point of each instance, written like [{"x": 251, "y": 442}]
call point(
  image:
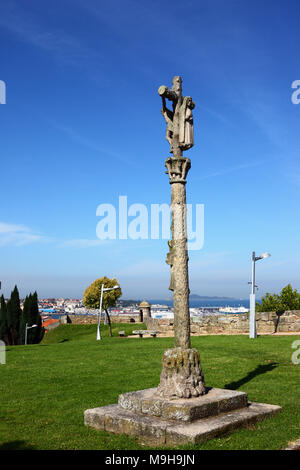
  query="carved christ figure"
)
[
  {"x": 180, "y": 133},
  {"x": 168, "y": 115}
]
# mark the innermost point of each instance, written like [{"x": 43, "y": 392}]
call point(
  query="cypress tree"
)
[
  {"x": 4, "y": 332},
  {"x": 13, "y": 316},
  {"x": 31, "y": 316},
  {"x": 39, "y": 331}
]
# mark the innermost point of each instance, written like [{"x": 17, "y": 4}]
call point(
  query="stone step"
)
[
  {"x": 156, "y": 431},
  {"x": 202, "y": 430},
  {"x": 214, "y": 402}
]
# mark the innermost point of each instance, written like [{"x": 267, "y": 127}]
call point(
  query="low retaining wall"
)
[
  {"x": 93, "y": 319},
  {"x": 266, "y": 322}
]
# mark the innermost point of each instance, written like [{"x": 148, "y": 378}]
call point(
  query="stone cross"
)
[
  {"x": 179, "y": 121},
  {"x": 181, "y": 375},
  {"x": 177, "y": 412}
]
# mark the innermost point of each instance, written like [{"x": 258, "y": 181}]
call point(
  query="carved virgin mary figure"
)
[{"x": 186, "y": 124}]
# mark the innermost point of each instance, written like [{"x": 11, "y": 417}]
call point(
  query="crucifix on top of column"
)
[{"x": 179, "y": 121}]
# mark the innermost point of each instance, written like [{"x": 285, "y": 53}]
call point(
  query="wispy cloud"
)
[
  {"x": 232, "y": 169},
  {"x": 264, "y": 109},
  {"x": 210, "y": 258},
  {"x": 267, "y": 118},
  {"x": 18, "y": 235},
  {"x": 29, "y": 28},
  {"x": 131, "y": 17},
  {"x": 84, "y": 243},
  {"x": 84, "y": 141},
  {"x": 216, "y": 115},
  {"x": 145, "y": 269}
]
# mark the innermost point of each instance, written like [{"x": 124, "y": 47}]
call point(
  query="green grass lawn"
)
[{"x": 45, "y": 388}]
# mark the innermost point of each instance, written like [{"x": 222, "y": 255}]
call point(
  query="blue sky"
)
[{"x": 82, "y": 126}]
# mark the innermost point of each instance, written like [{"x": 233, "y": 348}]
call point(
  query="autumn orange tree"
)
[{"x": 91, "y": 296}]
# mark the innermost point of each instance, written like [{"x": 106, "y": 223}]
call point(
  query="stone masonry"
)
[
  {"x": 155, "y": 420},
  {"x": 93, "y": 319},
  {"x": 266, "y": 322}
]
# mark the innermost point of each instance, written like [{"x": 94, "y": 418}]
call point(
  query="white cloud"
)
[
  {"x": 10, "y": 228},
  {"x": 18, "y": 235}
]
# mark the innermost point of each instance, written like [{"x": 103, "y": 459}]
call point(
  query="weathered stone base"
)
[
  {"x": 181, "y": 375},
  {"x": 215, "y": 401},
  {"x": 157, "y": 422}
]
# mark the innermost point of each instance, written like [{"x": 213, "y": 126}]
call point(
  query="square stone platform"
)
[{"x": 157, "y": 421}]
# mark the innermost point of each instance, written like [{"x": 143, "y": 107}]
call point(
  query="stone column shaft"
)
[{"x": 180, "y": 266}]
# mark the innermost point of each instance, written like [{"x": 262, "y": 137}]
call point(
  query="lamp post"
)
[
  {"x": 252, "y": 322},
  {"x": 100, "y": 307},
  {"x": 28, "y": 328}
]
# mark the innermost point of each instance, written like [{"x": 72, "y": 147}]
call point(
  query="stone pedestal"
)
[{"x": 158, "y": 421}]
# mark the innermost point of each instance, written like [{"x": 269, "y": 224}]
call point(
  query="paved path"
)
[{"x": 170, "y": 334}]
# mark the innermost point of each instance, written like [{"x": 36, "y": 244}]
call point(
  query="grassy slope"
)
[{"x": 45, "y": 388}]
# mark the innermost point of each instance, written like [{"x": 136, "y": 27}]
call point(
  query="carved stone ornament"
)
[{"x": 177, "y": 169}]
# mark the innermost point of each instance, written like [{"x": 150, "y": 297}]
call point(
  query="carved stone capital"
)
[{"x": 177, "y": 169}]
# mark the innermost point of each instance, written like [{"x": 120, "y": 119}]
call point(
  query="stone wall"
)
[
  {"x": 266, "y": 322},
  {"x": 93, "y": 319}
]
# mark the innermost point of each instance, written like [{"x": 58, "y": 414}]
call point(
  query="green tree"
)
[
  {"x": 13, "y": 316},
  {"x": 288, "y": 299},
  {"x": 36, "y": 318},
  {"x": 31, "y": 316},
  {"x": 4, "y": 331},
  {"x": 91, "y": 296},
  {"x": 269, "y": 303}
]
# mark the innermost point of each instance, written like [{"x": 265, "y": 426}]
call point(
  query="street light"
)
[
  {"x": 252, "y": 323},
  {"x": 28, "y": 328},
  {"x": 100, "y": 307}
]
